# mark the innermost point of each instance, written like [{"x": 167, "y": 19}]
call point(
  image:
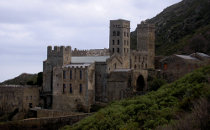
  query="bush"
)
[{"x": 155, "y": 84}]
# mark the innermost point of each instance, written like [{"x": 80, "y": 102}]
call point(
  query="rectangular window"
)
[
  {"x": 70, "y": 89},
  {"x": 64, "y": 87},
  {"x": 80, "y": 88},
  {"x": 112, "y": 42},
  {"x": 70, "y": 74},
  {"x": 113, "y": 50},
  {"x": 118, "y": 50},
  {"x": 64, "y": 74},
  {"x": 118, "y": 42},
  {"x": 80, "y": 74}
]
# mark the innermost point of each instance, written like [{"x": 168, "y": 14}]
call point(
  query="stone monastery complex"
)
[{"x": 74, "y": 81}]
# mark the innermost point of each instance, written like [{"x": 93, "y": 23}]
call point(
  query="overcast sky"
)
[{"x": 27, "y": 27}]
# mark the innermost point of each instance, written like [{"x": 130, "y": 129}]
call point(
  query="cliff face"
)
[{"x": 182, "y": 28}]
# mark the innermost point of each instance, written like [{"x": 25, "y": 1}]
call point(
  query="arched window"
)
[
  {"x": 112, "y": 42},
  {"x": 80, "y": 74},
  {"x": 70, "y": 88},
  {"x": 80, "y": 88},
  {"x": 70, "y": 74},
  {"x": 64, "y": 87},
  {"x": 114, "y": 33},
  {"x": 118, "y": 33},
  {"x": 118, "y": 42}
]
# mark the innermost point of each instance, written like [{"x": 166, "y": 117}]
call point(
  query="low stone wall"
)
[
  {"x": 43, "y": 123},
  {"x": 52, "y": 113}
]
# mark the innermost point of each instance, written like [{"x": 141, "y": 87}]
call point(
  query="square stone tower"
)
[
  {"x": 146, "y": 42},
  {"x": 119, "y": 40},
  {"x": 58, "y": 57}
]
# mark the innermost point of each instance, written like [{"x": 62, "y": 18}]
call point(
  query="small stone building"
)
[
  {"x": 74, "y": 81},
  {"x": 176, "y": 66},
  {"x": 18, "y": 97}
]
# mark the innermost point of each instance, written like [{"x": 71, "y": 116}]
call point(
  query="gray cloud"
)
[{"x": 27, "y": 27}]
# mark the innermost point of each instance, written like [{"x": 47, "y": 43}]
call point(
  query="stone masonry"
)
[{"x": 75, "y": 80}]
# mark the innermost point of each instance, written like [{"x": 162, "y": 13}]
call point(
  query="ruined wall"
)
[
  {"x": 74, "y": 87},
  {"x": 21, "y": 97},
  {"x": 91, "y": 52}
]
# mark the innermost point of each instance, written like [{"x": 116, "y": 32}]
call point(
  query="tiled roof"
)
[{"x": 186, "y": 57}]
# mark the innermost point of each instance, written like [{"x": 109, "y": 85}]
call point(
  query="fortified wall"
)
[{"x": 18, "y": 97}]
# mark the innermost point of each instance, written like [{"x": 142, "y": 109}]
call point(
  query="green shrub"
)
[{"x": 153, "y": 109}]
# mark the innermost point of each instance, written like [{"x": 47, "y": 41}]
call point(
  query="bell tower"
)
[
  {"x": 119, "y": 37},
  {"x": 119, "y": 40}
]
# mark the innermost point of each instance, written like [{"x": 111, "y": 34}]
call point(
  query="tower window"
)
[
  {"x": 114, "y": 33},
  {"x": 118, "y": 50},
  {"x": 113, "y": 50},
  {"x": 70, "y": 74},
  {"x": 112, "y": 42},
  {"x": 118, "y": 33},
  {"x": 64, "y": 87},
  {"x": 80, "y": 74},
  {"x": 64, "y": 74},
  {"x": 70, "y": 89},
  {"x": 118, "y": 42},
  {"x": 80, "y": 88}
]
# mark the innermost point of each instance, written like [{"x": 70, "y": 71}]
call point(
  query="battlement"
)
[
  {"x": 58, "y": 50},
  {"x": 91, "y": 52},
  {"x": 145, "y": 25}
]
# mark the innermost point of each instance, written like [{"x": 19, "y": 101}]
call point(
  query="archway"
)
[{"x": 140, "y": 84}]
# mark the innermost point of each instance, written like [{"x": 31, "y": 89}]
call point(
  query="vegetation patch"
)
[{"x": 154, "y": 109}]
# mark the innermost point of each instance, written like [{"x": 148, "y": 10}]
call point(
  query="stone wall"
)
[
  {"x": 50, "y": 113},
  {"x": 73, "y": 87},
  {"x": 18, "y": 97},
  {"x": 118, "y": 85},
  {"x": 43, "y": 123},
  {"x": 101, "y": 81}
]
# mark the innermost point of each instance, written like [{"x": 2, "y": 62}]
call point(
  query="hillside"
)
[
  {"x": 182, "y": 28},
  {"x": 157, "y": 108},
  {"x": 25, "y": 79}
]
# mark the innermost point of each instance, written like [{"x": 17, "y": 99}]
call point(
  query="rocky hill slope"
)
[
  {"x": 182, "y": 28},
  {"x": 25, "y": 79}
]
